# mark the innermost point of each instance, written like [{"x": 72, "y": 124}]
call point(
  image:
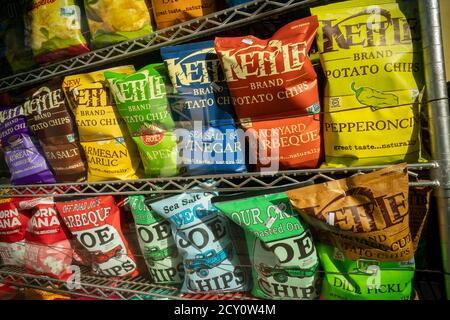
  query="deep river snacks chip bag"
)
[
  {"x": 202, "y": 235},
  {"x": 13, "y": 224},
  {"x": 200, "y": 92},
  {"x": 56, "y": 30},
  {"x": 168, "y": 13},
  {"x": 112, "y": 21},
  {"x": 282, "y": 253},
  {"x": 364, "y": 279},
  {"x": 370, "y": 52},
  {"x": 95, "y": 222},
  {"x": 48, "y": 250},
  {"x": 274, "y": 91},
  {"x": 157, "y": 244},
  {"x": 49, "y": 119},
  {"x": 365, "y": 216}
]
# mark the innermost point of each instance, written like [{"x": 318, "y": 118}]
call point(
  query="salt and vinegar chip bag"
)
[
  {"x": 96, "y": 224},
  {"x": 157, "y": 244},
  {"x": 56, "y": 30},
  {"x": 274, "y": 91},
  {"x": 202, "y": 235},
  {"x": 365, "y": 217},
  {"x": 372, "y": 58},
  {"x": 282, "y": 252},
  {"x": 49, "y": 119},
  {"x": 13, "y": 224},
  {"x": 113, "y": 21},
  {"x": 141, "y": 99},
  {"x": 169, "y": 13},
  {"x": 109, "y": 151}
]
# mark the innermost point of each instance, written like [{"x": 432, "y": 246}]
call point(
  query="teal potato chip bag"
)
[
  {"x": 157, "y": 243},
  {"x": 281, "y": 249}
]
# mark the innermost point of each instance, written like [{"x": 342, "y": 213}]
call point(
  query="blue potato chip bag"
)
[
  {"x": 202, "y": 235},
  {"x": 200, "y": 90},
  {"x": 233, "y": 3}
]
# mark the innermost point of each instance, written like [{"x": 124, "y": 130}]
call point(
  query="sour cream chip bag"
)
[
  {"x": 374, "y": 75},
  {"x": 96, "y": 224}
]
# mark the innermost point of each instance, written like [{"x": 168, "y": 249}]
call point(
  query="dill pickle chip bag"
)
[
  {"x": 157, "y": 243},
  {"x": 364, "y": 279},
  {"x": 202, "y": 235},
  {"x": 282, "y": 252},
  {"x": 112, "y": 21},
  {"x": 372, "y": 59},
  {"x": 56, "y": 30}
]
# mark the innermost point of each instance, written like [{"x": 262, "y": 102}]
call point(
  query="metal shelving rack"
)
[{"x": 435, "y": 174}]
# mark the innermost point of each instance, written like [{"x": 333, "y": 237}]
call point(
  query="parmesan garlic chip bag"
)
[
  {"x": 56, "y": 30},
  {"x": 157, "y": 244},
  {"x": 109, "y": 150},
  {"x": 112, "y": 21},
  {"x": 372, "y": 58},
  {"x": 282, "y": 253},
  {"x": 273, "y": 87},
  {"x": 365, "y": 217}
]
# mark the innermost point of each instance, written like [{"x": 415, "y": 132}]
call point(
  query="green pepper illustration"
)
[{"x": 375, "y": 98}]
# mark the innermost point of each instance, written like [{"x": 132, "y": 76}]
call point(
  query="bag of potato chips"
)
[
  {"x": 371, "y": 55},
  {"x": 113, "y": 21}
]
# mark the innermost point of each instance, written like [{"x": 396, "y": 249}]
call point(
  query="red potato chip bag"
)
[
  {"x": 96, "y": 224},
  {"x": 48, "y": 250},
  {"x": 274, "y": 91},
  {"x": 13, "y": 223}
]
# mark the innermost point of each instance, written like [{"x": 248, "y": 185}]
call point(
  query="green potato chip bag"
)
[
  {"x": 364, "y": 279},
  {"x": 157, "y": 244},
  {"x": 282, "y": 253},
  {"x": 371, "y": 55}
]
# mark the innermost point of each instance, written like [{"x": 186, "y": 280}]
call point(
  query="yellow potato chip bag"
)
[{"x": 370, "y": 52}]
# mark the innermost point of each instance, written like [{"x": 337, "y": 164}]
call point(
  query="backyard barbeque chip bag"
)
[
  {"x": 200, "y": 92},
  {"x": 202, "y": 235},
  {"x": 157, "y": 244},
  {"x": 13, "y": 224},
  {"x": 274, "y": 90},
  {"x": 95, "y": 222},
  {"x": 48, "y": 250},
  {"x": 56, "y": 30},
  {"x": 169, "y": 13},
  {"x": 372, "y": 58},
  {"x": 113, "y": 21},
  {"x": 282, "y": 253},
  {"x": 365, "y": 216}
]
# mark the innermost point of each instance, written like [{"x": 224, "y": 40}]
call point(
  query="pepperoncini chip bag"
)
[
  {"x": 96, "y": 224},
  {"x": 56, "y": 30},
  {"x": 371, "y": 55},
  {"x": 169, "y": 13},
  {"x": 364, "y": 279},
  {"x": 113, "y": 21},
  {"x": 157, "y": 243},
  {"x": 281, "y": 248},
  {"x": 202, "y": 235},
  {"x": 274, "y": 90},
  {"x": 365, "y": 216}
]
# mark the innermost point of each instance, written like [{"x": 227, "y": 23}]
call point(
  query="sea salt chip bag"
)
[
  {"x": 274, "y": 91},
  {"x": 202, "y": 235},
  {"x": 157, "y": 244},
  {"x": 371, "y": 55}
]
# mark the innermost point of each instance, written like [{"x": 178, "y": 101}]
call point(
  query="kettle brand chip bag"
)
[
  {"x": 112, "y": 21},
  {"x": 56, "y": 30},
  {"x": 96, "y": 224},
  {"x": 372, "y": 58},
  {"x": 365, "y": 216},
  {"x": 274, "y": 91},
  {"x": 202, "y": 235},
  {"x": 157, "y": 244},
  {"x": 281, "y": 249}
]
